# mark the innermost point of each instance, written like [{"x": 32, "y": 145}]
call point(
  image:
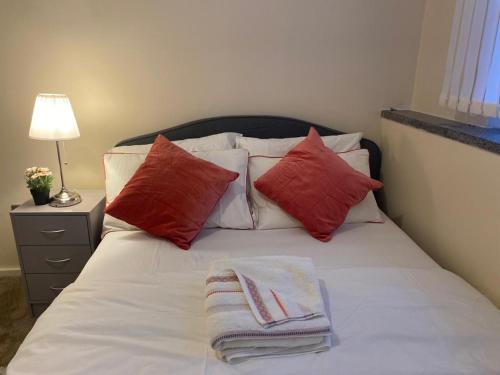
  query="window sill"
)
[{"x": 485, "y": 138}]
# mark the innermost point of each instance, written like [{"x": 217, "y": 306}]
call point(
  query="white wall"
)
[
  {"x": 432, "y": 57},
  {"x": 131, "y": 67},
  {"x": 433, "y": 53},
  {"x": 445, "y": 195}
]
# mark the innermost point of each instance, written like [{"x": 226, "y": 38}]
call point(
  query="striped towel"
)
[{"x": 265, "y": 306}]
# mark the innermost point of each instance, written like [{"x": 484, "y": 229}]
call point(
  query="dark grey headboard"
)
[{"x": 252, "y": 126}]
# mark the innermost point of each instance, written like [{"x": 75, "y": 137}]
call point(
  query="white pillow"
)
[
  {"x": 367, "y": 210},
  {"x": 232, "y": 211},
  {"x": 268, "y": 215},
  {"x": 278, "y": 147},
  {"x": 221, "y": 141}
]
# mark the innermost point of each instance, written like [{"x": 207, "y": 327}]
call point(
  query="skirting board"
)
[{"x": 13, "y": 271}]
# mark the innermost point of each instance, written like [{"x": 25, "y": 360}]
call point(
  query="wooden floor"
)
[{"x": 15, "y": 320}]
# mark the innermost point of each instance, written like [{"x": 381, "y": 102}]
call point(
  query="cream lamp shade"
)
[{"x": 53, "y": 119}]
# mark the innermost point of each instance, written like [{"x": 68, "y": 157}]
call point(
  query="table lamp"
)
[{"x": 53, "y": 120}]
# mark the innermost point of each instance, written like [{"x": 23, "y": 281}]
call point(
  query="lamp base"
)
[{"x": 65, "y": 198}]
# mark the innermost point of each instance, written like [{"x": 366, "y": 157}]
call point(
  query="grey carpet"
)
[{"x": 15, "y": 319}]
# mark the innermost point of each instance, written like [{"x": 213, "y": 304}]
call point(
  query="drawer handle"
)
[
  {"x": 57, "y": 260},
  {"x": 54, "y": 231},
  {"x": 56, "y": 288}
]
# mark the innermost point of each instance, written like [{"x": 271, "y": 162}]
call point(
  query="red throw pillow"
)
[
  {"x": 315, "y": 186},
  {"x": 172, "y": 193}
]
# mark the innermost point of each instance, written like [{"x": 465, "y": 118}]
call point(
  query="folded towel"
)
[
  {"x": 278, "y": 289},
  {"x": 265, "y": 306}
]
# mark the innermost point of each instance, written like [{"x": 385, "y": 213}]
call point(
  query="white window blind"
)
[{"x": 472, "y": 79}]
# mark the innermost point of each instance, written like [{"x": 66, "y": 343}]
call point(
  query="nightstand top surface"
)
[{"x": 90, "y": 199}]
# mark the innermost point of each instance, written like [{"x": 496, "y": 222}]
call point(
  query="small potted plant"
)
[{"x": 39, "y": 181}]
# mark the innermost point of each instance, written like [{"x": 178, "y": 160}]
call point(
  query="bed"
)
[{"x": 137, "y": 307}]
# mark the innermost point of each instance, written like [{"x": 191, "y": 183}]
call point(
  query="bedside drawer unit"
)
[
  {"x": 55, "y": 259},
  {"x": 51, "y": 230},
  {"x": 54, "y": 244},
  {"x": 46, "y": 287}
]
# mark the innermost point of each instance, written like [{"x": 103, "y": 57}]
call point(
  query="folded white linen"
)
[
  {"x": 265, "y": 306},
  {"x": 278, "y": 289},
  {"x": 239, "y": 355}
]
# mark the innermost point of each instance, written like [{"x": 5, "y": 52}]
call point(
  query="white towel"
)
[
  {"x": 265, "y": 306},
  {"x": 278, "y": 289}
]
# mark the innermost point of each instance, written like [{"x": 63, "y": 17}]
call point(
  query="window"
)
[{"x": 472, "y": 79}]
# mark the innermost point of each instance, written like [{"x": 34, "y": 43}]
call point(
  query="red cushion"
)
[
  {"x": 172, "y": 193},
  {"x": 315, "y": 186}
]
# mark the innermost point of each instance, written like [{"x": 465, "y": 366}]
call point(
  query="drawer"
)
[
  {"x": 54, "y": 259},
  {"x": 51, "y": 230},
  {"x": 45, "y": 287}
]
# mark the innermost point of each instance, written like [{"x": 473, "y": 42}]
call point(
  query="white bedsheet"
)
[
  {"x": 354, "y": 245},
  {"x": 137, "y": 308}
]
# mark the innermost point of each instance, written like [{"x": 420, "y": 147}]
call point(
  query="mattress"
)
[{"x": 137, "y": 308}]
